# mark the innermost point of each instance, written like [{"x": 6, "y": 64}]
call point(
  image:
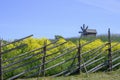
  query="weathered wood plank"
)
[
  {"x": 26, "y": 58},
  {"x": 54, "y": 65},
  {"x": 1, "y": 73},
  {"x": 22, "y": 45},
  {"x": 115, "y": 65},
  {"x": 109, "y": 51},
  {"x": 27, "y": 63},
  {"x": 43, "y": 60},
  {"x": 23, "y": 54},
  {"x": 17, "y": 40}
]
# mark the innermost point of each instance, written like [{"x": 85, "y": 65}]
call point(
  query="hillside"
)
[{"x": 114, "y": 37}]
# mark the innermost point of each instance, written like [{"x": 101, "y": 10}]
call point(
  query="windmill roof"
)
[{"x": 91, "y": 31}]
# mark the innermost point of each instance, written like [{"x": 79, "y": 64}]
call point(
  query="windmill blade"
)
[
  {"x": 82, "y": 28},
  {"x": 80, "y": 32},
  {"x": 86, "y": 28}
]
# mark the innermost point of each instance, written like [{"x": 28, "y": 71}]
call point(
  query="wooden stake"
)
[
  {"x": 1, "y": 74},
  {"x": 109, "y": 51}
]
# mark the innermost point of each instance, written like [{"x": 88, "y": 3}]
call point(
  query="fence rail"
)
[{"x": 37, "y": 62}]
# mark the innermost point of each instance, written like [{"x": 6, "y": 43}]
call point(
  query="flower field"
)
[{"x": 62, "y": 46}]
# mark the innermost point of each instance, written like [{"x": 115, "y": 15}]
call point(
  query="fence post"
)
[
  {"x": 109, "y": 51},
  {"x": 43, "y": 59},
  {"x": 1, "y": 74},
  {"x": 79, "y": 56}
]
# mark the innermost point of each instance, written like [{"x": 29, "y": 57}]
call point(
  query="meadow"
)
[{"x": 69, "y": 44}]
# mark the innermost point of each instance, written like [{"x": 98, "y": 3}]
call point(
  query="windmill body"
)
[{"x": 87, "y": 32}]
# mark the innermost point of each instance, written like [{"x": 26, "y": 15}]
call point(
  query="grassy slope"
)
[{"x": 114, "y": 75}]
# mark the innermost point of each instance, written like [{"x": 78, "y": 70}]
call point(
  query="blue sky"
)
[{"x": 46, "y": 18}]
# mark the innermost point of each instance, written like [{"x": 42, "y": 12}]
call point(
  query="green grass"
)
[
  {"x": 114, "y": 37},
  {"x": 114, "y": 75}
]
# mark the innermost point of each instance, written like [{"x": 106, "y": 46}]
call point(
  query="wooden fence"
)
[{"x": 37, "y": 63}]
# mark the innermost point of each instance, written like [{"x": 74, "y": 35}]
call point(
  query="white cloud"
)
[{"x": 110, "y": 5}]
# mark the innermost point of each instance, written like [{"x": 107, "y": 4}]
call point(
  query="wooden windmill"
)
[{"x": 87, "y": 32}]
